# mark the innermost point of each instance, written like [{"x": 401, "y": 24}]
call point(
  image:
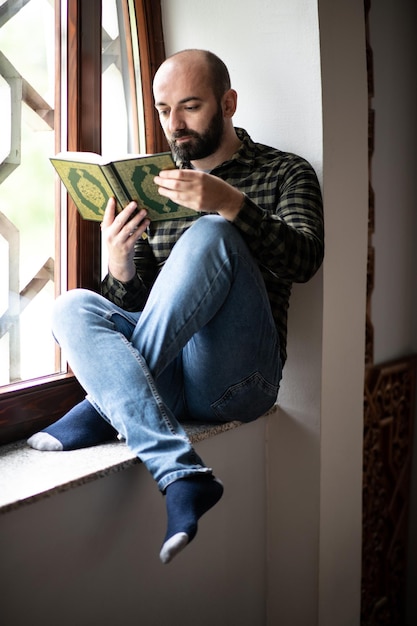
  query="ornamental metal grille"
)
[{"x": 29, "y": 236}]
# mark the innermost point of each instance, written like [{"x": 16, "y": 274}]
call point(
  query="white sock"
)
[
  {"x": 173, "y": 546},
  {"x": 45, "y": 441}
]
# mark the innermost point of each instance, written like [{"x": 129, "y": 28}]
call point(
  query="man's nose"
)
[{"x": 176, "y": 122}]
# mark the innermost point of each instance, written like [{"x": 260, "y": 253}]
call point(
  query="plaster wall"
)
[{"x": 284, "y": 546}]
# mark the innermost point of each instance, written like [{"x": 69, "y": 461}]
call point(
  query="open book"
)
[{"x": 92, "y": 180}]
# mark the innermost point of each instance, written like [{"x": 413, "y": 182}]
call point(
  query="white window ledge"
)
[{"x": 27, "y": 475}]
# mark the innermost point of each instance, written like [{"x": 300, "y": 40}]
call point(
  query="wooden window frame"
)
[{"x": 32, "y": 405}]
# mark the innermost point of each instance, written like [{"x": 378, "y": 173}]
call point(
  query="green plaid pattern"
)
[{"x": 281, "y": 220}]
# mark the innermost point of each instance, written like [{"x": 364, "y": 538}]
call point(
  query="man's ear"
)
[{"x": 229, "y": 103}]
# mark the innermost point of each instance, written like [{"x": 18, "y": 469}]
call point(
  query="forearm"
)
[
  {"x": 132, "y": 294},
  {"x": 232, "y": 204},
  {"x": 123, "y": 272},
  {"x": 289, "y": 244}
]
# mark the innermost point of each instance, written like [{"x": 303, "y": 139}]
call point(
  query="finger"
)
[
  {"x": 126, "y": 214},
  {"x": 181, "y": 174},
  {"x": 166, "y": 182},
  {"x": 130, "y": 221},
  {"x": 135, "y": 230},
  {"x": 170, "y": 178},
  {"x": 172, "y": 173},
  {"x": 109, "y": 213}
]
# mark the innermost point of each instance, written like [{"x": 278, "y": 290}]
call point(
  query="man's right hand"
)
[{"x": 120, "y": 233}]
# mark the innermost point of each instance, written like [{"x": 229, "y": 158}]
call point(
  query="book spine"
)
[{"x": 119, "y": 190}]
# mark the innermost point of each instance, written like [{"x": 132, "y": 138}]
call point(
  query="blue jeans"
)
[{"x": 205, "y": 348}]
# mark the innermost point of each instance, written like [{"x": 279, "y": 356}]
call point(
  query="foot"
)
[
  {"x": 81, "y": 427},
  {"x": 187, "y": 500}
]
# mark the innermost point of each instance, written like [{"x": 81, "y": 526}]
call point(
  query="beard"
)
[{"x": 201, "y": 145}]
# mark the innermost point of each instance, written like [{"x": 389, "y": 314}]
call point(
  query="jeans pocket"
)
[{"x": 246, "y": 400}]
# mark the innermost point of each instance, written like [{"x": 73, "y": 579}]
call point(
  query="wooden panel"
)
[
  {"x": 152, "y": 54},
  {"x": 26, "y": 410},
  {"x": 84, "y": 132},
  {"x": 388, "y": 440}
]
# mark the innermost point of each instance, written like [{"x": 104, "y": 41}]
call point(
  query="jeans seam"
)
[{"x": 161, "y": 408}]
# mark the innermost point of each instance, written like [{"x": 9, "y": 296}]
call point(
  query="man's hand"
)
[
  {"x": 200, "y": 191},
  {"x": 120, "y": 233}
]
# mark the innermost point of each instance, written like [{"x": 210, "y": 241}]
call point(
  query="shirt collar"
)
[{"x": 247, "y": 150}]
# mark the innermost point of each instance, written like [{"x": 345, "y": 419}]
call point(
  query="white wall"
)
[
  {"x": 89, "y": 556},
  {"x": 271, "y": 50},
  {"x": 315, "y": 446},
  {"x": 346, "y": 193},
  {"x": 273, "y": 54},
  {"x": 284, "y": 545}
]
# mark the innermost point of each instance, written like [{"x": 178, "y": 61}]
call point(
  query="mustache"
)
[{"x": 184, "y": 133}]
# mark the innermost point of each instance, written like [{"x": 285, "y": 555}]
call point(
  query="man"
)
[{"x": 195, "y": 330}]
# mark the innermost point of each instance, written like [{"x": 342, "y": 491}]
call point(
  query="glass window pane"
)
[
  {"x": 122, "y": 115},
  {"x": 27, "y": 190}
]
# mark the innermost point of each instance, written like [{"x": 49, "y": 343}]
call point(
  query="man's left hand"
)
[{"x": 200, "y": 191}]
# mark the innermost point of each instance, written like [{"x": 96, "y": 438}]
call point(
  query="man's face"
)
[
  {"x": 190, "y": 115},
  {"x": 190, "y": 145}
]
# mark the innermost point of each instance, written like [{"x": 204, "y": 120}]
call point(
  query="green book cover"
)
[{"x": 91, "y": 180}]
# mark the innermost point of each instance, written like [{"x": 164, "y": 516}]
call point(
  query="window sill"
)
[{"x": 29, "y": 475}]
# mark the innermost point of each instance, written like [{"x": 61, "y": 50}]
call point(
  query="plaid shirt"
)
[{"x": 281, "y": 220}]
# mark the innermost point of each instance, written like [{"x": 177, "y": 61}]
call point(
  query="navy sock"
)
[
  {"x": 81, "y": 427},
  {"x": 187, "y": 500}
]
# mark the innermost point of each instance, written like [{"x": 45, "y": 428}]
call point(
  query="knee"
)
[
  {"x": 211, "y": 226},
  {"x": 212, "y": 231},
  {"x": 68, "y": 310}
]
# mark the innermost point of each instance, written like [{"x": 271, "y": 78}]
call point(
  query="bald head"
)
[
  {"x": 202, "y": 62},
  {"x": 196, "y": 104}
]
